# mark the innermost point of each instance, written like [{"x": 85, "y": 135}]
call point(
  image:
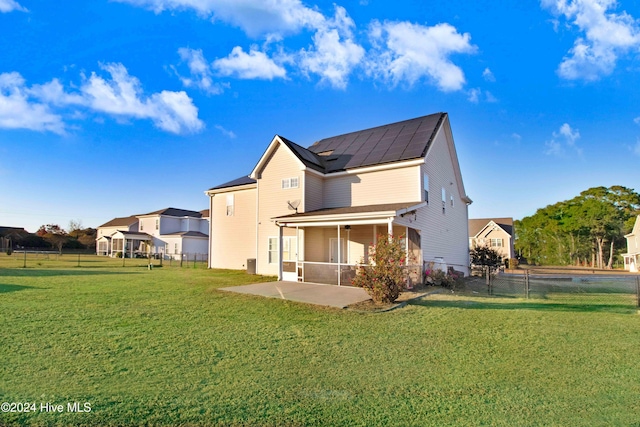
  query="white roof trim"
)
[{"x": 275, "y": 142}]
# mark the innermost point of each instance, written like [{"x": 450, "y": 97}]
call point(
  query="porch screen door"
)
[{"x": 333, "y": 252}]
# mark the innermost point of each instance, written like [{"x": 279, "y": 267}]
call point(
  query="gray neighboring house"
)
[{"x": 171, "y": 232}]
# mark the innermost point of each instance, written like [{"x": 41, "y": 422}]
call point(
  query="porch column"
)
[
  {"x": 339, "y": 250},
  {"x": 280, "y": 252},
  {"x": 390, "y": 227},
  {"x": 406, "y": 245}
]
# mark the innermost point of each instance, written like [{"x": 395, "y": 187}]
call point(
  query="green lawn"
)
[{"x": 165, "y": 347}]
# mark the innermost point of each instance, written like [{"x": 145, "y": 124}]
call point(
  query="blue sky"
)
[{"x": 113, "y": 108}]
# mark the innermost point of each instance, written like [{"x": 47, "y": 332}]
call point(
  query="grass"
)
[{"x": 165, "y": 347}]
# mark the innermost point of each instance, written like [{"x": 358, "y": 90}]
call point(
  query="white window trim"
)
[{"x": 288, "y": 183}]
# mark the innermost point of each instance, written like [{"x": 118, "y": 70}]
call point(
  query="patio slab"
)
[{"x": 310, "y": 293}]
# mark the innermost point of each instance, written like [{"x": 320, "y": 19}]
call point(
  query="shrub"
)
[
  {"x": 437, "y": 277},
  {"x": 383, "y": 277},
  {"x": 513, "y": 263},
  {"x": 118, "y": 254},
  {"x": 9, "y": 251}
]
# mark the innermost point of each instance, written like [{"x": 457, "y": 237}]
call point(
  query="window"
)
[
  {"x": 229, "y": 204},
  {"x": 273, "y": 250},
  {"x": 444, "y": 199},
  {"x": 425, "y": 181},
  {"x": 495, "y": 243},
  {"x": 175, "y": 248},
  {"x": 157, "y": 224},
  {"x": 141, "y": 226},
  {"x": 290, "y": 183},
  {"x": 289, "y": 248},
  {"x": 451, "y": 197}
]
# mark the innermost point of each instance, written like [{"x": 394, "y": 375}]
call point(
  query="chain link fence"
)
[{"x": 623, "y": 290}]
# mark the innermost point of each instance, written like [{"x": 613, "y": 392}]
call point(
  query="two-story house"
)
[
  {"x": 496, "y": 233},
  {"x": 311, "y": 214},
  {"x": 632, "y": 257},
  {"x": 167, "y": 232}
]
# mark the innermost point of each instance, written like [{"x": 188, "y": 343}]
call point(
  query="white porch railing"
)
[{"x": 327, "y": 273}]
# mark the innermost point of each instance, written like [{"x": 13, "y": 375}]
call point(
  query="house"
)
[
  {"x": 312, "y": 214},
  {"x": 632, "y": 257},
  {"x": 9, "y": 235},
  {"x": 170, "y": 232},
  {"x": 496, "y": 233}
]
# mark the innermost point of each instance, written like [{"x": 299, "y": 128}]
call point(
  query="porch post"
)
[
  {"x": 280, "y": 252},
  {"x": 339, "y": 249},
  {"x": 406, "y": 244},
  {"x": 390, "y": 227}
]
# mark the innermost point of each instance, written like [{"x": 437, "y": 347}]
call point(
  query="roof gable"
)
[
  {"x": 121, "y": 222},
  {"x": 476, "y": 226}
]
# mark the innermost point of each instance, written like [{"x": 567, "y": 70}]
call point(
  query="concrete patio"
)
[{"x": 327, "y": 295}]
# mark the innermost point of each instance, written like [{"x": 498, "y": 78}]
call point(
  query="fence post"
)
[
  {"x": 24, "y": 265},
  {"x": 638, "y": 291},
  {"x": 181, "y": 258},
  {"x": 195, "y": 257},
  {"x": 78, "y": 259},
  {"x": 526, "y": 284}
]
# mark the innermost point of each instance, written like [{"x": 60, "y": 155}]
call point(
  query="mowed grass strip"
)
[{"x": 165, "y": 347}]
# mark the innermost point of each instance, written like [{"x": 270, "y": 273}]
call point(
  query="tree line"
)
[
  {"x": 587, "y": 230},
  {"x": 52, "y": 236}
]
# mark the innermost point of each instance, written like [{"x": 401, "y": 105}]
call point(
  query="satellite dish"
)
[{"x": 293, "y": 205}]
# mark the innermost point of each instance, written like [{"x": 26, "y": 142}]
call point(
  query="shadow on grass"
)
[
  {"x": 528, "y": 305},
  {"x": 39, "y": 272},
  {"x": 4, "y": 289}
]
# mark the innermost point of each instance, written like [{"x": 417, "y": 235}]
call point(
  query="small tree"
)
[
  {"x": 485, "y": 256},
  {"x": 383, "y": 277}
]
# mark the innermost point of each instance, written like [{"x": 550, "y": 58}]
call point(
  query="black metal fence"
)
[{"x": 592, "y": 289}]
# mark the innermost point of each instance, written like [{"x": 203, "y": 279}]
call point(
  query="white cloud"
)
[
  {"x": 406, "y": 52},
  {"x": 254, "y": 17},
  {"x": 17, "y": 111},
  {"x": 606, "y": 36},
  {"x": 636, "y": 148},
  {"x": 564, "y": 141},
  {"x": 334, "y": 54},
  {"x": 122, "y": 95},
  {"x": 11, "y": 5},
  {"x": 488, "y": 75},
  {"x": 475, "y": 94},
  {"x": 200, "y": 72},
  {"x": 252, "y": 65},
  {"x": 637, "y": 120},
  {"x": 228, "y": 133}
]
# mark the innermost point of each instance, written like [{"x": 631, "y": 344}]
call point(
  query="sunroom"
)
[{"x": 327, "y": 246}]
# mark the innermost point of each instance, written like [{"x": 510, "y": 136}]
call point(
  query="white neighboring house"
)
[
  {"x": 171, "y": 233},
  {"x": 632, "y": 257},
  {"x": 312, "y": 214}
]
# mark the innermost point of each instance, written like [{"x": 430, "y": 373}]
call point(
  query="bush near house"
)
[{"x": 383, "y": 277}]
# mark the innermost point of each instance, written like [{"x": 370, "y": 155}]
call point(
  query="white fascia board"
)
[
  {"x": 230, "y": 189},
  {"x": 381, "y": 220},
  {"x": 376, "y": 168},
  {"x": 272, "y": 146}
]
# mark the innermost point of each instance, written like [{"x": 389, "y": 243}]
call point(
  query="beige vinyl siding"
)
[
  {"x": 273, "y": 200},
  {"x": 443, "y": 235},
  {"x": 233, "y": 238},
  {"x": 313, "y": 188},
  {"x": 378, "y": 187},
  {"x": 506, "y": 251}
]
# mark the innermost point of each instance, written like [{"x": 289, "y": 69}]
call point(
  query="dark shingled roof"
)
[
  {"x": 406, "y": 140},
  {"x": 188, "y": 234},
  {"x": 175, "y": 212},
  {"x": 477, "y": 224},
  {"x": 121, "y": 222},
  {"x": 243, "y": 180}
]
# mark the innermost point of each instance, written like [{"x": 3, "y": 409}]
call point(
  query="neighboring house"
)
[
  {"x": 632, "y": 257},
  {"x": 497, "y": 233},
  {"x": 170, "y": 232},
  {"x": 106, "y": 231},
  {"x": 306, "y": 214},
  {"x": 9, "y": 235}
]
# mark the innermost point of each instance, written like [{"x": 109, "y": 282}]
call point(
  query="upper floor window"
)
[
  {"x": 157, "y": 224},
  {"x": 230, "y": 204},
  {"x": 141, "y": 226},
  {"x": 290, "y": 183},
  {"x": 496, "y": 243},
  {"x": 425, "y": 181},
  {"x": 444, "y": 199},
  {"x": 451, "y": 198}
]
